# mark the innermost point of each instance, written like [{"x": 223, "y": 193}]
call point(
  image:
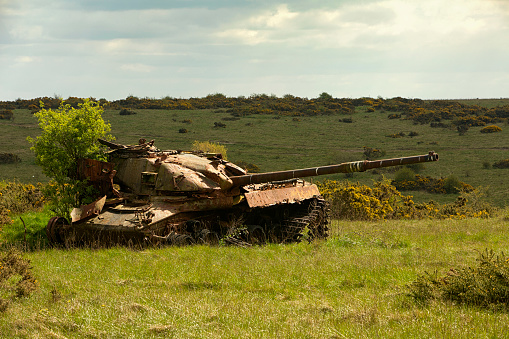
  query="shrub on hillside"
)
[
  {"x": 16, "y": 198},
  {"x": 384, "y": 201},
  {"x": 452, "y": 184},
  {"x": 491, "y": 129},
  {"x": 126, "y": 111},
  {"x": 69, "y": 134},
  {"x": 373, "y": 153},
  {"x": 404, "y": 174},
  {"x": 6, "y": 114},
  {"x": 9, "y": 158},
  {"x": 432, "y": 185},
  {"x": 502, "y": 164},
  {"x": 397, "y": 135},
  {"x": 486, "y": 285}
]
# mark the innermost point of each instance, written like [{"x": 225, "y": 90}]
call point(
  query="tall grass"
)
[{"x": 354, "y": 285}]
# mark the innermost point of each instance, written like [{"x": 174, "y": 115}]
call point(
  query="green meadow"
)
[{"x": 354, "y": 285}]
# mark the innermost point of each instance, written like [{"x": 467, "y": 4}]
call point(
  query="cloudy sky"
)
[{"x": 185, "y": 48}]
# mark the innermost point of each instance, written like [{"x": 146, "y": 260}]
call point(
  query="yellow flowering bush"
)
[
  {"x": 18, "y": 198},
  {"x": 354, "y": 201},
  {"x": 491, "y": 129}
]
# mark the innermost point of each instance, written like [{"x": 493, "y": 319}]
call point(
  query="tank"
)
[{"x": 149, "y": 196}]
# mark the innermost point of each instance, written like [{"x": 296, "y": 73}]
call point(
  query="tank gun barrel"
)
[{"x": 348, "y": 167}]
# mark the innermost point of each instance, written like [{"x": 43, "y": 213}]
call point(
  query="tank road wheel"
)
[
  {"x": 207, "y": 237},
  {"x": 54, "y": 230},
  {"x": 256, "y": 235}
]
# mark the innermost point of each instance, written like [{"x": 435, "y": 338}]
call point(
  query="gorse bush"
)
[
  {"x": 384, "y": 201},
  {"x": 491, "y": 129},
  {"x": 486, "y": 285},
  {"x": 404, "y": 181},
  {"x": 16, "y": 198}
]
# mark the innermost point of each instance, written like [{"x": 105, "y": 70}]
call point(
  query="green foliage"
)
[
  {"x": 452, "y": 184},
  {"x": 27, "y": 230},
  {"x": 68, "y": 134},
  {"x": 486, "y": 285},
  {"x": 404, "y": 174},
  {"x": 126, "y": 111},
  {"x": 462, "y": 129},
  {"x": 324, "y": 96}
]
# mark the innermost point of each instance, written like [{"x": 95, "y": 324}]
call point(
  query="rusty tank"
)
[{"x": 149, "y": 196}]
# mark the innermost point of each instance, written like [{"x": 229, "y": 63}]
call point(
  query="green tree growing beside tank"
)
[{"x": 69, "y": 134}]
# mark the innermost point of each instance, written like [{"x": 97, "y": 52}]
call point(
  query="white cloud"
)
[
  {"x": 137, "y": 68},
  {"x": 274, "y": 19},
  {"x": 25, "y": 59}
]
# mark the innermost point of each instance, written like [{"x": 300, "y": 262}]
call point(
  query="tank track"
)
[
  {"x": 285, "y": 223},
  {"x": 316, "y": 219}
]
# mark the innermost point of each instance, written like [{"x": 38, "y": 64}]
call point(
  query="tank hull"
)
[{"x": 282, "y": 214}]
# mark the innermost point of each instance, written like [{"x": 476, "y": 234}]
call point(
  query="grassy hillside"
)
[
  {"x": 276, "y": 142},
  {"x": 354, "y": 286}
]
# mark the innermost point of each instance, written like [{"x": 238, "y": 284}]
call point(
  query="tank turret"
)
[{"x": 154, "y": 196}]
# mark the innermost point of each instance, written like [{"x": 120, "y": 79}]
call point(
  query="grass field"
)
[
  {"x": 352, "y": 286},
  {"x": 280, "y": 143}
]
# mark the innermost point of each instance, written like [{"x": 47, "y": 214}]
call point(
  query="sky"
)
[{"x": 428, "y": 49}]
